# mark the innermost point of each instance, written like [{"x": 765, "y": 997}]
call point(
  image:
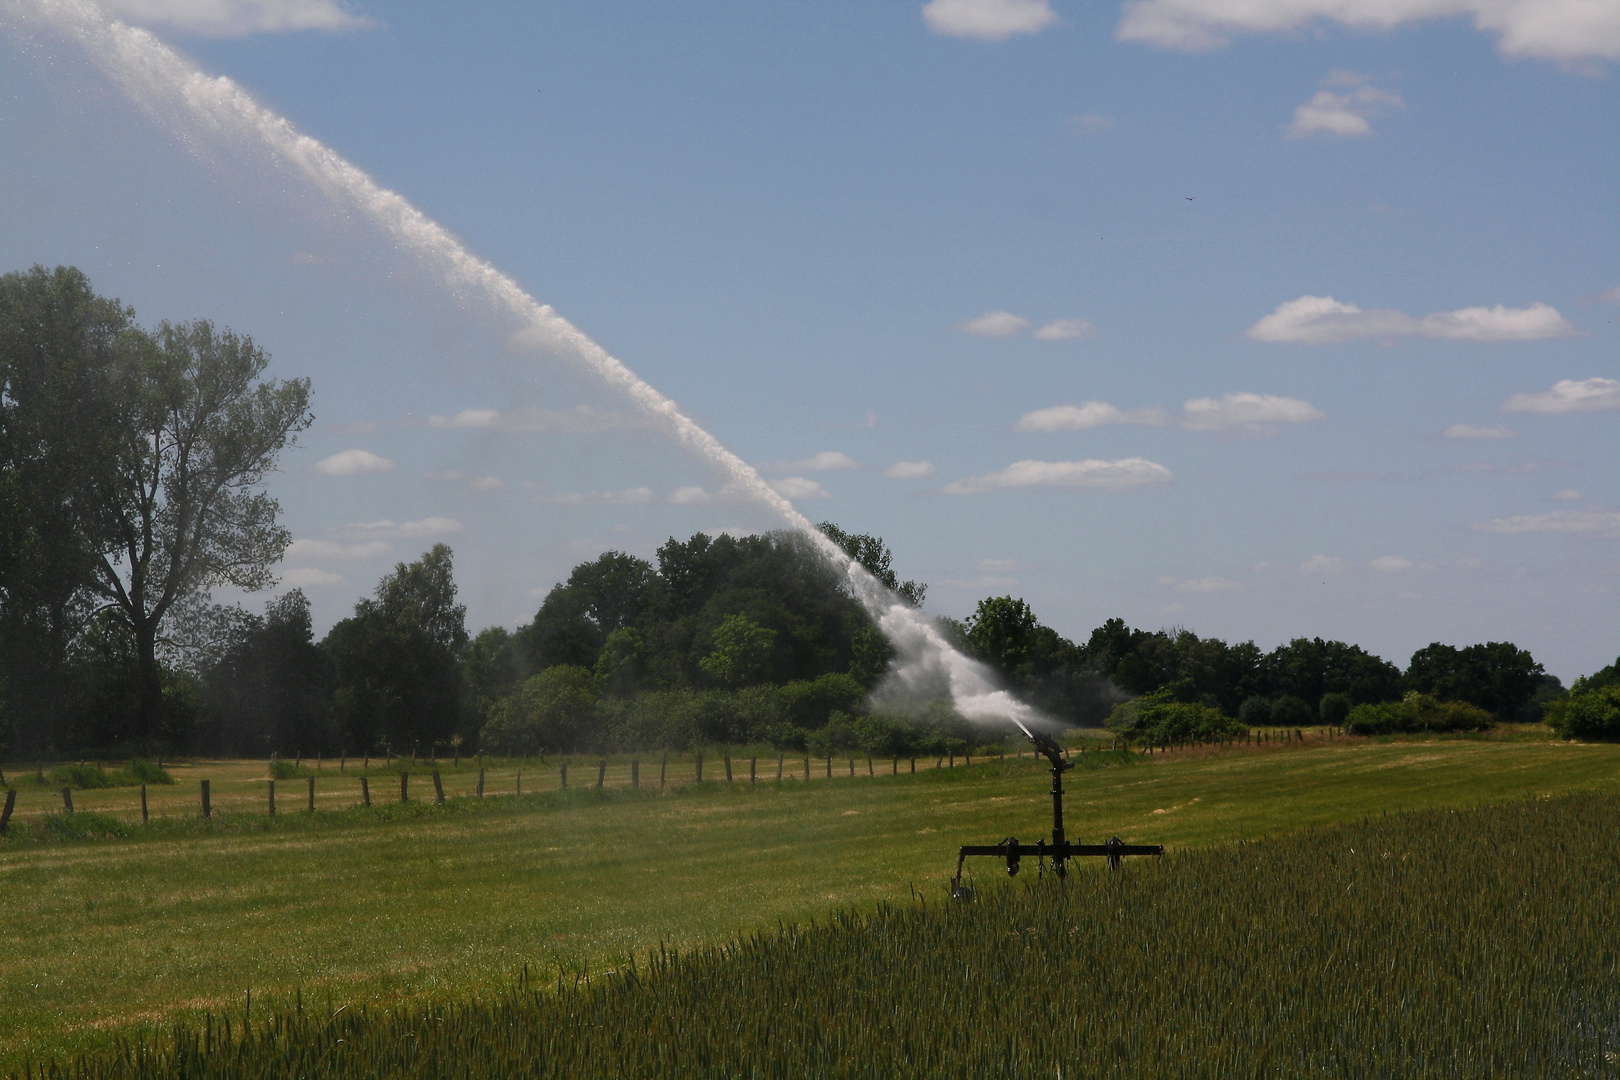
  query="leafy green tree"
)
[
  {"x": 1498, "y": 676},
  {"x": 549, "y": 711},
  {"x": 271, "y": 688},
  {"x": 1334, "y": 708},
  {"x": 741, "y": 653},
  {"x": 1158, "y": 717},
  {"x": 1416, "y": 713},
  {"x": 872, "y": 553},
  {"x": 396, "y": 660},
  {"x": 1307, "y": 668}
]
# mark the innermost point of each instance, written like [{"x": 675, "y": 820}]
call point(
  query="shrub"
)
[
  {"x": 1416, "y": 713},
  {"x": 549, "y": 710},
  {"x": 1158, "y": 718},
  {"x": 84, "y": 825},
  {"x": 1255, "y": 712},
  {"x": 286, "y": 770},
  {"x": 1290, "y": 712},
  {"x": 1590, "y": 712},
  {"x": 79, "y": 776},
  {"x": 1334, "y": 708}
]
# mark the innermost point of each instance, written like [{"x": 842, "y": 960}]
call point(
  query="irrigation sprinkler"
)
[{"x": 1060, "y": 850}]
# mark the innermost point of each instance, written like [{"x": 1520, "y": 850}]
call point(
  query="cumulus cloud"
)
[
  {"x": 477, "y": 483},
  {"x": 1199, "y": 585},
  {"x": 579, "y": 420},
  {"x": 1348, "y": 114},
  {"x": 1254, "y": 414},
  {"x": 1390, "y": 564},
  {"x": 1065, "y": 330},
  {"x": 1469, "y": 431},
  {"x": 1605, "y": 523},
  {"x": 1568, "y": 395},
  {"x": 799, "y": 487},
  {"x": 1566, "y": 31},
  {"x": 1323, "y": 564},
  {"x": 1322, "y": 320},
  {"x": 909, "y": 470},
  {"x": 1088, "y": 415},
  {"x": 238, "y": 18},
  {"x": 353, "y": 463},
  {"x": 629, "y": 496},
  {"x": 995, "y": 324},
  {"x": 403, "y": 530},
  {"x": 1090, "y": 474},
  {"x": 1568, "y": 494},
  {"x": 307, "y": 549},
  {"x": 987, "y": 20},
  {"x": 305, "y": 577},
  {"x": 822, "y": 462},
  {"x": 695, "y": 496}
]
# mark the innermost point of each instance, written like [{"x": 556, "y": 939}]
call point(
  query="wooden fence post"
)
[
  {"x": 145, "y": 817},
  {"x": 520, "y": 779},
  {"x": 852, "y": 766},
  {"x": 953, "y": 759},
  {"x": 208, "y": 810},
  {"x": 601, "y": 774},
  {"x": 272, "y": 798},
  {"x": 781, "y": 759},
  {"x": 365, "y": 792},
  {"x": 968, "y": 758},
  {"x": 728, "y": 765},
  {"x": 67, "y": 799},
  {"x": 896, "y": 770},
  {"x": 5, "y": 815},
  {"x": 404, "y": 786},
  {"x": 312, "y": 794},
  {"x": 663, "y": 765},
  {"x": 480, "y": 781},
  {"x": 438, "y": 790},
  {"x": 829, "y": 764},
  {"x": 753, "y": 765},
  {"x": 913, "y": 764},
  {"x": 635, "y": 772},
  {"x": 869, "y": 765},
  {"x": 807, "y": 768},
  {"x": 563, "y": 768},
  {"x": 700, "y": 766},
  {"x": 343, "y": 764}
]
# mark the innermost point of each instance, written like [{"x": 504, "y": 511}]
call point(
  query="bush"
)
[
  {"x": 1158, "y": 718},
  {"x": 84, "y": 777},
  {"x": 281, "y": 769},
  {"x": 1290, "y": 712},
  {"x": 551, "y": 710},
  {"x": 1416, "y": 713},
  {"x": 1590, "y": 712},
  {"x": 1334, "y": 708},
  {"x": 1255, "y": 712}
]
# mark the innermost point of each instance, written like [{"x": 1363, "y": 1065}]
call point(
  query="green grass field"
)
[{"x": 399, "y": 904}]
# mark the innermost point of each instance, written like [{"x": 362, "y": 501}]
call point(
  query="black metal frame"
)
[{"x": 1060, "y": 850}]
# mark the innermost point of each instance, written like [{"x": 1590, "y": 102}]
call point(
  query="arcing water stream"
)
[{"x": 175, "y": 92}]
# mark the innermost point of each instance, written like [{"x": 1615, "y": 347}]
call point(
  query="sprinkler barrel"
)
[{"x": 1060, "y": 850}]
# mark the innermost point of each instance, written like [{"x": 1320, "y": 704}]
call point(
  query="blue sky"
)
[{"x": 1273, "y": 318}]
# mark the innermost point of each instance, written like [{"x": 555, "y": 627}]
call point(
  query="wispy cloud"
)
[
  {"x": 1088, "y": 122},
  {"x": 909, "y": 470},
  {"x": 1390, "y": 564},
  {"x": 987, "y": 20},
  {"x": 1322, "y": 320},
  {"x": 1468, "y": 431},
  {"x": 1065, "y": 330},
  {"x": 1568, "y": 395},
  {"x": 1604, "y": 523},
  {"x": 1564, "y": 32},
  {"x": 1254, "y": 414},
  {"x": 1199, "y": 585},
  {"x": 693, "y": 495},
  {"x": 799, "y": 487},
  {"x": 995, "y": 324},
  {"x": 306, "y": 549},
  {"x": 1348, "y": 114},
  {"x": 822, "y": 462},
  {"x": 626, "y": 497},
  {"x": 304, "y": 577},
  {"x": 402, "y": 530},
  {"x": 353, "y": 463},
  {"x": 580, "y": 420},
  {"x": 477, "y": 483},
  {"x": 239, "y": 18},
  {"x": 1088, "y": 475},
  {"x": 1323, "y": 564},
  {"x": 1087, "y": 415}
]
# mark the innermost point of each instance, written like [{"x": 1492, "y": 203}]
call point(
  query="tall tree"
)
[
  {"x": 872, "y": 553},
  {"x": 197, "y": 432}
]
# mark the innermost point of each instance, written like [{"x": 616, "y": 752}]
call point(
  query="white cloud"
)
[
  {"x": 1323, "y": 564},
  {"x": 1065, "y": 330},
  {"x": 1090, "y": 474},
  {"x": 488, "y": 483},
  {"x": 1089, "y": 415},
  {"x": 353, "y": 463},
  {"x": 988, "y": 581},
  {"x": 1568, "y": 395},
  {"x": 1560, "y": 30},
  {"x": 827, "y": 459},
  {"x": 404, "y": 530},
  {"x": 1199, "y": 585},
  {"x": 1089, "y": 121},
  {"x": 238, "y": 18},
  {"x": 1322, "y": 320},
  {"x": 304, "y": 578},
  {"x": 798, "y": 487},
  {"x": 909, "y": 470},
  {"x": 696, "y": 496},
  {"x": 629, "y": 496},
  {"x": 1390, "y": 564},
  {"x": 995, "y": 324},
  {"x": 987, "y": 20},
  {"x": 1604, "y": 523},
  {"x": 1345, "y": 114},
  {"x": 1609, "y": 296},
  {"x": 1468, "y": 431},
  {"x": 1567, "y": 494},
  {"x": 311, "y": 550},
  {"x": 579, "y": 420},
  {"x": 477, "y": 483},
  {"x": 1255, "y": 414}
]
